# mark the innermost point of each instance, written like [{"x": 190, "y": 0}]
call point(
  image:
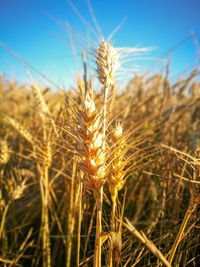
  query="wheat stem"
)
[
  {"x": 79, "y": 224},
  {"x": 190, "y": 210},
  {"x": 45, "y": 217},
  {"x": 71, "y": 219},
  {"x": 97, "y": 254}
]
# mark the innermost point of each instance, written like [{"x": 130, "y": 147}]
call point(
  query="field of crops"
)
[{"x": 103, "y": 178}]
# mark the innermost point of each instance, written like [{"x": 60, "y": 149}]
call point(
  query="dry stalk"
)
[
  {"x": 4, "y": 157},
  {"x": 148, "y": 243},
  {"x": 80, "y": 189},
  {"x": 71, "y": 218},
  {"x": 194, "y": 200},
  {"x": 44, "y": 189},
  {"x": 115, "y": 182},
  {"x": 44, "y": 164}
]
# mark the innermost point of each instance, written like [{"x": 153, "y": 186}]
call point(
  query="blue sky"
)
[{"x": 28, "y": 30}]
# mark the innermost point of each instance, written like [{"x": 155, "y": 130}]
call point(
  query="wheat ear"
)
[
  {"x": 24, "y": 132},
  {"x": 107, "y": 63},
  {"x": 92, "y": 150}
]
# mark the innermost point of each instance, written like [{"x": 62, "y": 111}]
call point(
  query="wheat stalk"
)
[
  {"x": 148, "y": 243},
  {"x": 194, "y": 201},
  {"x": 71, "y": 217},
  {"x": 115, "y": 182}
]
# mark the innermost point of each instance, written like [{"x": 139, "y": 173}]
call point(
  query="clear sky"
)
[{"x": 29, "y": 28}]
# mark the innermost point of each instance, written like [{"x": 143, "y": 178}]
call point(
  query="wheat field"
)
[{"x": 103, "y": 177}]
